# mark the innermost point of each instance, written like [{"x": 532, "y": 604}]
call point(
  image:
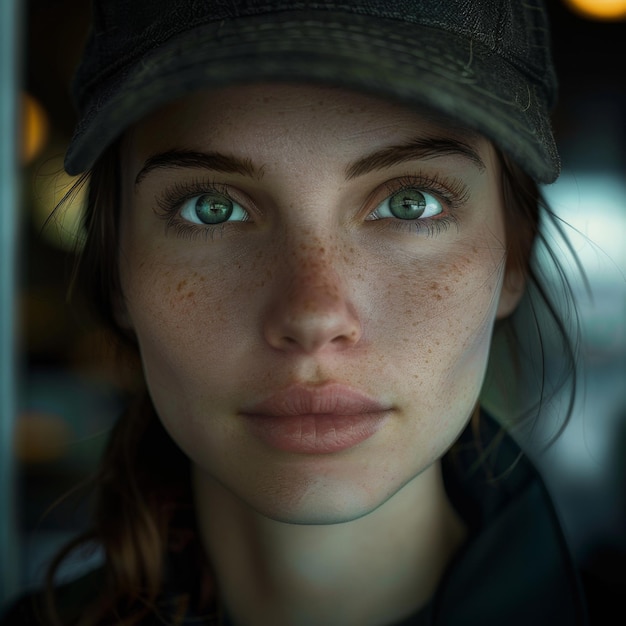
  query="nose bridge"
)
[
  {"x": 314, "y": 274},
  {"x": 312, "y": 308}
]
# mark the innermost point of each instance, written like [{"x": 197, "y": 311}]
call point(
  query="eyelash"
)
[
  {"x": 452, "y": 193},
  {"x": 170, "y": 204}
]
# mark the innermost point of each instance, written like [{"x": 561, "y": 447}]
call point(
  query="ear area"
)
[{"x": 513, "y": 288}]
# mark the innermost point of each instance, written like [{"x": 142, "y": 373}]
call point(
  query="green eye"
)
[
  {"x": 408, "y": 204},
  {"x": 212, "y": 208}
]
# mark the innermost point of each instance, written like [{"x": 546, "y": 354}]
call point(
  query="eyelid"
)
[
  {"x": 170, "y": 201},
  {"x": 452, "y": 193}
]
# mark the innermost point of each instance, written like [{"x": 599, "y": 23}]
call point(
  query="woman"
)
[{"x": 307, "y": 218}]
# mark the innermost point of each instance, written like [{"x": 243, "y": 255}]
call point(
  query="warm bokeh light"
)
[
  {"x": 41, "y": 437},
  {"x": 599, "y": 9},
  {"x": 34, "y": 128},
  {"x": 61, "y": 226}
]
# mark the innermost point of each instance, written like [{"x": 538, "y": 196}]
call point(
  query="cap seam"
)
[{"x": 111, "y": 71}]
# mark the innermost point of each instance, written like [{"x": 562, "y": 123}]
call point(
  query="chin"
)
[
  {"x": 325, "y": 502},
  {"x": 317, "y": 516}
]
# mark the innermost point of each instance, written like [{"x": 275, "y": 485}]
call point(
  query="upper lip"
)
[{"x": 327, "y": 399}]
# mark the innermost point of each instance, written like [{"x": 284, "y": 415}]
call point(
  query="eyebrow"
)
[
  {"x": 415, "y": 150},
  {"x": 422, "y": 148},
  {"x": 215, "y": 161}
]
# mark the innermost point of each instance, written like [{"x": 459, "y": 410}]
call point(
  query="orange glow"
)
[
  {"x": 41, "y": 437},
  {"x": 599, "y": 9},
  {"x": 34, "y": 128}
]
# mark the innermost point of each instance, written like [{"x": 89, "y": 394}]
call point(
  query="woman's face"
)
[{"x": 312, "y": 276}]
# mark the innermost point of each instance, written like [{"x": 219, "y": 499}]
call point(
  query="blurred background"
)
[{"x": 69, "y": 388}]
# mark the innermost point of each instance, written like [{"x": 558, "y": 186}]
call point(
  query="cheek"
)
[
  {"x": 181, "y": 312},
  {"x": 438, "y": 319}
]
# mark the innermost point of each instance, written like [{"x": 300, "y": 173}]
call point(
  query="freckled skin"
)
[{"x": 309, "y": 291}]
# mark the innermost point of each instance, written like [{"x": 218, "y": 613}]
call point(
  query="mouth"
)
[{"x": 316, "y": 420}]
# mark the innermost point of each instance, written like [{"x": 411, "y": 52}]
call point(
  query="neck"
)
[{"x": 370, "y": 571}]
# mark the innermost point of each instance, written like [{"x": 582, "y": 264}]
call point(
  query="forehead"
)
[{"x": 275, "y": 115}]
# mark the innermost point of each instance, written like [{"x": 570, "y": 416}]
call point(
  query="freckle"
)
[
  {"x": 181, "y": 284},
  {"x": 191, "y": 294}
]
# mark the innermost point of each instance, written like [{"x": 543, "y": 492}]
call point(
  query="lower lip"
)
[{"x": 315, "y": 434}]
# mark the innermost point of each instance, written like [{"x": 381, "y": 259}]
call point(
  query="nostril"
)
[
  {"x": 311, "y": 311},
  {"x": 312, "y": 330},
  {"x": 346, "y": 338}
]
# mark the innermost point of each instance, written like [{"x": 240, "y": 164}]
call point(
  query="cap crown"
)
[{"x": 123, "y": 31}]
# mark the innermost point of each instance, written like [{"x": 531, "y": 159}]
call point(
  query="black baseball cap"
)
[{"x": 485, "y": 63}]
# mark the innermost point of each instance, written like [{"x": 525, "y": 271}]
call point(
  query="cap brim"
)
[{"x": 416, "y": 66}]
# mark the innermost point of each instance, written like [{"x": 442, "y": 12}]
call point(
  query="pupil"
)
[
  {"x": 213, "y": 208},
  {"x": 408, "y": 204}
]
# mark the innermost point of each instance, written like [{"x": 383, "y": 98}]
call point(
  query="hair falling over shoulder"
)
[
  {"x": 143, "y": 515},
  {"x": 144, "y": 508},
  {"x": 546, "y": 322}
]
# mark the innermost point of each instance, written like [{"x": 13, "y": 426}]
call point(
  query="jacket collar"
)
[{"x": 515, "y": 568}]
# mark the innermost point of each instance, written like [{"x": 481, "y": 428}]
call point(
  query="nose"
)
[{"x": 311, "y": 310}]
